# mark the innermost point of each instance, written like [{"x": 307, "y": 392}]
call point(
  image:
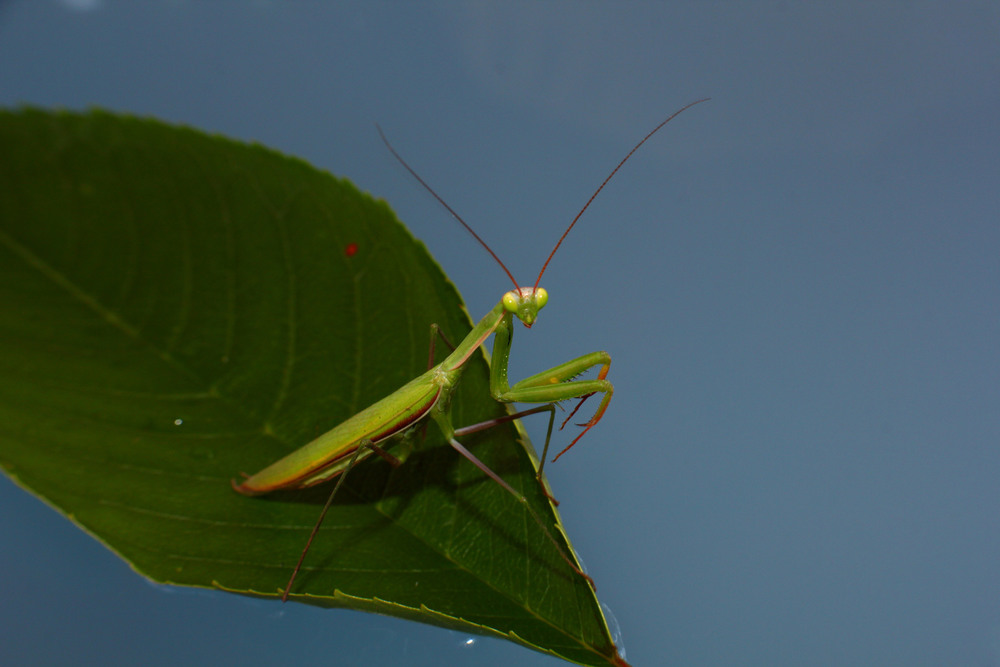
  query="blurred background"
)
[{"x": 799, "y": 283}]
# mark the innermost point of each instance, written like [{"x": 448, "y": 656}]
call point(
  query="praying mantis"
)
[{"x": 376, "y": 428}]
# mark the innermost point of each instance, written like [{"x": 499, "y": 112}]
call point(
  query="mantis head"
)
[{"x": 525, "y": 302}]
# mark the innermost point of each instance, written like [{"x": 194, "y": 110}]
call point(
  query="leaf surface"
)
[{"x": 176, "y": 309}]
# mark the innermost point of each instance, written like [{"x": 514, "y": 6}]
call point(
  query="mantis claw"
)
[{"x": 570, "y": 415}]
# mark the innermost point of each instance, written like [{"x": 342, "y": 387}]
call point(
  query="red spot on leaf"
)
[{"x": 351, "y": 249}]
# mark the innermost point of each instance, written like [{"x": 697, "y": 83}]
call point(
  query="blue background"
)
[{"x": 798, "y": 282}]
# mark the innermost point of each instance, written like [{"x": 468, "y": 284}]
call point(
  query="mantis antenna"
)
[
  {"x": 605, "y": 182},
  {"x": 562, "y": 238},
  {"x": 445, "y": 204}
]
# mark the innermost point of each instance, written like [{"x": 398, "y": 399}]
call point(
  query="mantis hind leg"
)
[{"x": 362, "y": 446}]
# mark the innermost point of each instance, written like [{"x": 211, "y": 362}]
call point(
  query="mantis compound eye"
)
[{"x": 510, "y": 302}]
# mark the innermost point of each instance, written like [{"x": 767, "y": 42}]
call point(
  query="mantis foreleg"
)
[{"x": 552, "y": 385}]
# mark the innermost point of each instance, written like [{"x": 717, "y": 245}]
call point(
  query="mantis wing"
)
[{"x": 328, "y": 455}]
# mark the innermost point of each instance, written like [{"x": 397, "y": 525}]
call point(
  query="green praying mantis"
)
[{"x": 374, "y": 429}]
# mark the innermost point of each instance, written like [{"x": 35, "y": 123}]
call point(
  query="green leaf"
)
[{"x": 176, "y": 309}]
